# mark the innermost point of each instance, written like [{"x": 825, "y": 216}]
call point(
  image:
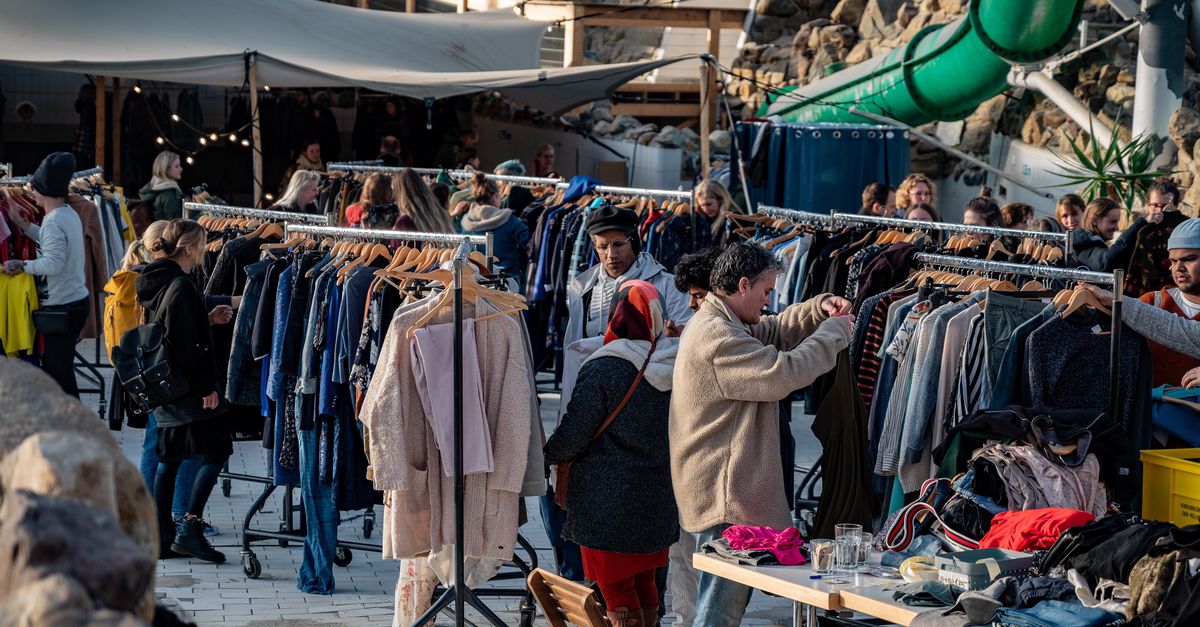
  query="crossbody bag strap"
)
[{"x": 624, "y": 401}]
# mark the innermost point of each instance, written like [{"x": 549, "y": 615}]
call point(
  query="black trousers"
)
[{"x": 58, "y": 358}]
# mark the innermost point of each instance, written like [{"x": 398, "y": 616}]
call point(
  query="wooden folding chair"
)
[{"x": 565, "y": 602}]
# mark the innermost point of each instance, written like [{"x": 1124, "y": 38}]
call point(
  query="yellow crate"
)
[{"x": 1171, "y": 486}]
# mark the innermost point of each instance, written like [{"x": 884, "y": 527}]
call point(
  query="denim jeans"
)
[
  {"x": 185, "y": 478},
  {"x": 1053, "y": 614},
  {"x": 719, "y": 602},
  {"x": 316, "y": 570},
  {"x": 566, "y": 553}
]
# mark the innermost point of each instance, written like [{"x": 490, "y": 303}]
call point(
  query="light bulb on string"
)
[
  {"x": 269, "y": 196},
  {"x": 232, "y": 137},
  {"x": 160, "y": 141},
  {"x": 203, "y": 141},
  {"x": 246, "y": 143},
  {"x": 174, "y": 117},
  {"x": 266, "y": 88},
  {"x": 190, "y": 160},
  {"x": 137, "y": 89},
  {"x": 212, "y": 137}
]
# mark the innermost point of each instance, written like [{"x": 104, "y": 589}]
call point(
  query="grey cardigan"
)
[{"x": 1158, "y": 325}]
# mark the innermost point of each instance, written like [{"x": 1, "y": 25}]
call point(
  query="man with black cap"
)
[
  {"x": 60, "y": 262},
  {"x": 614, "y": 235}
]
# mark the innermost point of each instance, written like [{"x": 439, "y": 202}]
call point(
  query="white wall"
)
[
  {"x": 1031, "y": 165},
  {"x": 649, "y": 167}
]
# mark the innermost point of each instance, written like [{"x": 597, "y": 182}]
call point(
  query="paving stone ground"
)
[{"x": 214, "y": 595}]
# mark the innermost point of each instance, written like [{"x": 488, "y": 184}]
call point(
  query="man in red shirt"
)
[{"x": 1182, "y": 300}]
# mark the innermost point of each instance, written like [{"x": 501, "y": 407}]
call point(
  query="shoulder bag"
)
[
  {"x": 562, "y": 472},
  {"x": 142, "y": 360}
]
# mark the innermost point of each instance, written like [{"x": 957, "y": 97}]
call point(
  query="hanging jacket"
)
[
  {"x": 166, "y": 202},
  {"x": 169, "y": 296},
  {"x": 510, "y": 236},
  {"x": 122, "y": 310}
]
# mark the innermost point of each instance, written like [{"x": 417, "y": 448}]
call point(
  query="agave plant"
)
[{"x": 1120, "y": 171}]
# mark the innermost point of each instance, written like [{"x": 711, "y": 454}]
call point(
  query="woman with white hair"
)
[
  {"x": 162, "y": 193},
  {"x": 301, "y": 193}
]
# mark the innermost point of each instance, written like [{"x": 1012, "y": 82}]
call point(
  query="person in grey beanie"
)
[
  {"x": 64, "y": 311},
  {"x": 1170, "y": 318}
]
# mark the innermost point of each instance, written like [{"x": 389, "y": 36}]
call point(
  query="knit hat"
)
[
  {"x": 512, "y": 167},
  {"x": 53, "y": 176},
  {"x": 610, "y": 218},
  {"x": 1186, "y": 235}
]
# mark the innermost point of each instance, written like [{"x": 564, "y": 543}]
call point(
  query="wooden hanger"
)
[
  {"x": 374, "y": 252},
  {"x": 470, "y": 287},
  {"x": 1084, "y": 298},
  {"x": 1033, "y": 286}
]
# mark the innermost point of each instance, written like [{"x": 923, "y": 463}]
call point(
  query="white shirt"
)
[{"x": 1188, "y": 307}]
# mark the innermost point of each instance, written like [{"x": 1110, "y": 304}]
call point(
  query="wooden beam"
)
[
  {"x": 115, "y": 174},
  {"x": 410, "y": 6},
  {"x": 462, "y": 6},
  {"x": 573, "y": 39},
  {"x": 101, "y": 121},
  {"x": 708, "y": 92},
  {"x": 364, "y": 4},
  {"x": 659, "y": 88},
  {"x": 255, "y": 132},
  {"x": 655, "y": 109}
]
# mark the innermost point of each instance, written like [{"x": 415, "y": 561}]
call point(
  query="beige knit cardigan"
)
[{"x": 724, "y": 423}]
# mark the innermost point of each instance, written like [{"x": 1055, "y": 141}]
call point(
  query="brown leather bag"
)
[{"x": 562, "y": 472}]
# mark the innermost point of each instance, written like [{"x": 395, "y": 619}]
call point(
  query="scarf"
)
[
  {"x": 604, "y": 293},
  {"x": 634, "y": 328},
  {"x": 158, "y": 184},
  {"x": 302, "y": 163}
]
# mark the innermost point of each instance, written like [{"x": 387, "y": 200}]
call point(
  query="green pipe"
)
[{"x": 944, "y": 72}]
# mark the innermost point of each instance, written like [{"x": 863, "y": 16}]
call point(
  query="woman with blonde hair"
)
[
  {"x": 376, "y": 191},
  {"x": 915, "y": 189},
  {"x": 419, "y": 209},
  {"x": 162, "y": 193},
  {"x": 301, "y": 193},
  {"x": 713, "y": 202}
]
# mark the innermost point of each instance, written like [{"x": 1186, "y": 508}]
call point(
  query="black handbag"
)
[
  {"x": 142, "y": 360},
  {"x": 51, "y": 321}
]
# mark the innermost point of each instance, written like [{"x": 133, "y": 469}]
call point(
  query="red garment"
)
[
  {"x": 636, "y": 313},
  {"x": 354, "y": 213},
  {"x": 1032, "y": 529},
  {"x": 1169, "y": 366},
  {"x": 611, "y": 566},
  {"x": 784, "y": 545},
  {"x": 631, "y": 593}
]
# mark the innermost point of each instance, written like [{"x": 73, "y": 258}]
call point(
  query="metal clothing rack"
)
[
  {"x": 250, "y": 212},
  {"x": 458, "y": 593},
  {"x": 82, "y": 174},
  {"x": 946, "y": 227},
  {"x": 1116, "y": 279}
]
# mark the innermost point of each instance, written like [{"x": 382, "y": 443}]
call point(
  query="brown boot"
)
[
  {"x": 624, "y": 617},
  {"x": 650, "y": 616}
]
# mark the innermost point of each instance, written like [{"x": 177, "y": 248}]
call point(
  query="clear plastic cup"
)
[
  {"x": 822, "y": 554},
  {"x": 865, "y": 540}
]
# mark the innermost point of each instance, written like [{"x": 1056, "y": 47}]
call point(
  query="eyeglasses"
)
[
  {"x": 617, "y": 245},
  {"x": 1157, "y": 205}
]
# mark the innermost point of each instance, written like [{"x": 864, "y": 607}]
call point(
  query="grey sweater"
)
[
  {"x": 60, "y": 257},
  {"x": 1175, "y": 332}
]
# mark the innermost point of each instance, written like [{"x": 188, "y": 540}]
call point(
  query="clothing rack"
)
[
  {"x": 82, "y": 174},
  {"x": 15, "y": 180},
  {"x": 458, "y": 593},
  {"x": 251, "y": 212},
  {"x": 1116, "y": 279},
  {"x": 946, "y": 227}
]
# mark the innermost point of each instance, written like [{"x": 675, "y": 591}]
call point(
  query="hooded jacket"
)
[
  {"x": 1090, "y": 250},
  {"x": 169, "y": 296},
  {"x": 166, "y": 201},
  {"x": 509, "y": 236},
  {"x": 581, "y": 289}
]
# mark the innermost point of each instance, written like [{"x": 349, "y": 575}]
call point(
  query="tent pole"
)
[
  {"x": 255, "y": 131},
  {"x": 115, "y": 172},
  {"x": 101, "y": 119},
  {"x": 410, "y": 6},
  {"x": 705, "y": 119}
]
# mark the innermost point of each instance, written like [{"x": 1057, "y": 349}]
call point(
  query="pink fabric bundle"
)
[{"x": 784, "y": 545}]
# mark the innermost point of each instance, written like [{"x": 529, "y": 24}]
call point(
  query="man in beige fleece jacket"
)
[{"x": 733, "y": 368}]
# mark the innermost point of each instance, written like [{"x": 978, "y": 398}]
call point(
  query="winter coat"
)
[
  {"x": 166, "y": 203},
  {"x": 169, "y": 296},
  {"x": 619, "y": 497},
  {"x": 510, "y": 236},
  {"x": 724, "y": 424},
  {"x": 1090, "y": 250},
  {"x": 579, "y": 295}
]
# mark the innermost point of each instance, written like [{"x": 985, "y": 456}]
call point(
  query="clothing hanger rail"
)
[
  {"x": 82, "y": 174},
  {"x": 411, "y": 236},
  {"x": 946, "y": 227},
  {"x": 250, "y": 212}
]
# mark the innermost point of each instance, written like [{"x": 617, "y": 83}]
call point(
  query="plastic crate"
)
[
  {"x": 975, "y": 570},
  {"x": 1171, "y": 485}
]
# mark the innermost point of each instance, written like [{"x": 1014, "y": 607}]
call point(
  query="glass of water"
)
[
  {"x": 846, "y": 554},
  {"x": 865, "y": 540}
]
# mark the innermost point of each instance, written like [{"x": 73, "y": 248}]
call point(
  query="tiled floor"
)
[{"x": 223, "y": 595}]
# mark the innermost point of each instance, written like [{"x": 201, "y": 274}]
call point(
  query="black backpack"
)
[{"x": 143, "y": 363}]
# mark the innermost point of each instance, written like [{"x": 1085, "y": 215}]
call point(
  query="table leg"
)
[
  {"x": 810, "y": 615},
  {"x": 797, "y": 614}
]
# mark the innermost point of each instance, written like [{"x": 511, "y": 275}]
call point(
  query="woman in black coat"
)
[
  {"x": 191, "y": 427},
  {"x": 620, "y": 505}
]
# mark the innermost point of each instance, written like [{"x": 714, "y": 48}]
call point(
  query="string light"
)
[
  {"x": 190, "y": 160},
  {"x": 160, "y": 140},
  {"x": 174, "y": 117},
  {"x": 246, "y": 143},
  {"x": 232, "y": 137},
  {"x": 269, "y": 196},
  {"x": 212, "y": 137},
  {"x": 137, "y": 89},
  {"x": 266, "y": 88},
  {"x": 203, "y": 141}
]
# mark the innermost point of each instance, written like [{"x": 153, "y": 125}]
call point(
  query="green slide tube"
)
[{"x": 944, "y": 72}]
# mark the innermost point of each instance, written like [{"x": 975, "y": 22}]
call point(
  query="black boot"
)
[
  {"x": 166, "y": 537},
  {"x": 191, "y": 541}
]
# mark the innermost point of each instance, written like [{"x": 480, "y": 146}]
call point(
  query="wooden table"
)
[
  {"x": 790, "y": 582},
  {"x": 858, "y": 592}
]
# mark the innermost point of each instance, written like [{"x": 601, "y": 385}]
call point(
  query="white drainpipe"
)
[{"x": 1065, "y": 100}]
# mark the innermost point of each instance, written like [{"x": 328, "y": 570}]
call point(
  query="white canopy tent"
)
[{"x": 301, "y": 43}]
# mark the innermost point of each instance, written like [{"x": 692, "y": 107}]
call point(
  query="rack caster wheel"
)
[
  {"x": 368, "y": 527},
  {"x": 527, "y": 615},
  {"x": 251, "y": 566},
  {"x": 342, "y": 556},
  {"x": 226, "y": 487}
]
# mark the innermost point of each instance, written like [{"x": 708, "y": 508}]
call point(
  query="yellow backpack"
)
[{"x": 122, "y": 311}]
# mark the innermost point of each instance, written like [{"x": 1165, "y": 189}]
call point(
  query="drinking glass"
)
[
  {"x": 821, "y": 554},
  {"x": 846, "y": 552},
  {"x": 865, "y": 540}
]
